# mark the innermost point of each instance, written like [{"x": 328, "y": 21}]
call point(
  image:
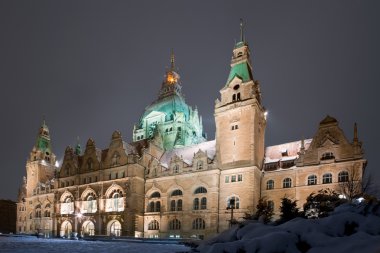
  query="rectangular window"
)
[
  {"x": 240, "y": 177},
  {"x": 227, "y": 179},
  {"x": 233, "y": 178},
  {"x": 116, "y": 175},
  {"x": 123, "y": 173},
  {"x": 96, "y": 178}
]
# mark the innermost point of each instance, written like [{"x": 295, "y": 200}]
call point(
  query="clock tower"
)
[
  {"x": 40, "y": 166},
  {"x": 240, "y": 117}
]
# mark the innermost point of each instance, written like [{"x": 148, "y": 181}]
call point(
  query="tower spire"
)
[
  {"x": 241, "y": 30},
  {"x": 172, "y": 60}
]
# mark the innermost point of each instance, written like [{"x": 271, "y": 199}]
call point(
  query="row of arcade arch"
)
[{"x": 88, "y": 228}]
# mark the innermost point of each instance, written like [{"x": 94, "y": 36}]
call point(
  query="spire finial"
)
[
  {"x": 241, "y": 30},
  {"x": 356, "y": 133},
  {"x": 172, "y": 60}
]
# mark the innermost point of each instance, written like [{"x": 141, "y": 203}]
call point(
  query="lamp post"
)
[{"x": 231, "y": 206}]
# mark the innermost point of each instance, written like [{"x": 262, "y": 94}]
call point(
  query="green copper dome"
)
[
  {"x": 169, "y": 117},
  {"x": 170, "y": 106}
]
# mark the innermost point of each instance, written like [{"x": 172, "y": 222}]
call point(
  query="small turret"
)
[{"x": 78, "y": 148}]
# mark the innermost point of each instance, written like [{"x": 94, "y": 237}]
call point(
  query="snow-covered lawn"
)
[
  {"x": 348, "y": 229},
  {"x": 33, "y": 244}
]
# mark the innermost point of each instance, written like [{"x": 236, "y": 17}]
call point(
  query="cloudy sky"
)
[{"x": 91, "y": 67}]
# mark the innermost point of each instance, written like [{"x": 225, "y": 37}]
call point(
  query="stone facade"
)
[{"x": 172, "y": 183}]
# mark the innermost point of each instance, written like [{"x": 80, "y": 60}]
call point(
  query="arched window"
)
[
  {"x": 238, "y": 96},
  {"x": 234, "y": 97},
  {"x": 176, "y": 169},
  {"x": 91, "y": 204},
  {"x": 47, "y": 213},
  {"x": 270, "y": 184},
  {"x": 199, "y": 165},
  {"x": 233, "y": 203},
  {"x": 312, "y": 180},
  {"x": 287, "y": 183},
  {"x": 175, "y": 224},
  {"x": 196, "y": 204},
  {"x": 155, "y": 195},
  {"x": 177, "y": 193},
  {"x": 116, "y": 199},
  {"x": 151, "y": 207},
  {"x": 327, "y": 178},
  {"x": 157, "y": 206},
  {"x": 199, "y": 224},
  {"x": 204, "y": 203},
  {"x": 343, "y": 176},
  {"x": 172, "y": 205},
  {"x": 153, "y": 225},
  {"x": 200, "y": 190},
  {"x": 179, "y": 205}
]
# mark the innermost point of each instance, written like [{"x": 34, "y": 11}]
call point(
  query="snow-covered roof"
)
[
  {"x": 275, "y": 153},
  {"x": 187, "y": 153}
]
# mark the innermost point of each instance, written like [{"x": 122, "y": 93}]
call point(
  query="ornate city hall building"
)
[{"x": 170, "y": 182}]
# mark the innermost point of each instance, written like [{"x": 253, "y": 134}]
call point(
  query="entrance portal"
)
[
  {"x": 66, "y": 229},
  {"x": 114, "y": 228},
  {"x": 88, "y": 228}
]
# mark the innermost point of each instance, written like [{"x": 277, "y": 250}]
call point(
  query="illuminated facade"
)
[{"x": 170, "y": 182}]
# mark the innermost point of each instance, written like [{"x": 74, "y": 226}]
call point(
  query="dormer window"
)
[
  {"x": 199, "y": 165},
  {"x": 115, "y": 159},
  {"x": 327, "y": 156},
  {"x": 89, "y": 164},
  {"x": 176, "y": 169}
]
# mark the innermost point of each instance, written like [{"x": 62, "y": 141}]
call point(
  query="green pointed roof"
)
[
  {"x": 43, "y": 138},
  {"x": 241, "y": 70}
]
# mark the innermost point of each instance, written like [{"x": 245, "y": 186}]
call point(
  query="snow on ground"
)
[
  {"x": 350, "y": 228},
  {"x": 35, "y": 245}
]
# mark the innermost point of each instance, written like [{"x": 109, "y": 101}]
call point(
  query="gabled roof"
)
[{"x": 187, "y": 153}]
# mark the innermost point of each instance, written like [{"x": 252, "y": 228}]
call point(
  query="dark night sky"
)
[{"x": 91, "y": 67}]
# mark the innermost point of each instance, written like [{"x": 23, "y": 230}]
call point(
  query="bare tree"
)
[{"x": 352, "y": 184}]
